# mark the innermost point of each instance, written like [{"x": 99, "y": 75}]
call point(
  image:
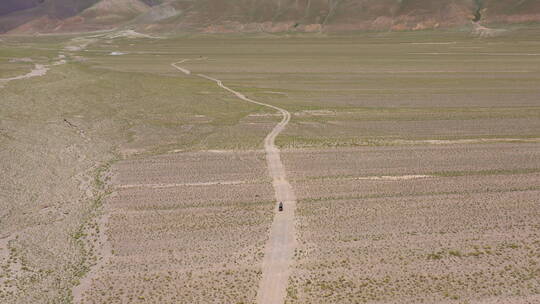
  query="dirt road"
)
[{"x": 282, "y": 241}]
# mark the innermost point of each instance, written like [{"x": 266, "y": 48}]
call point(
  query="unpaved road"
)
[{"x": 282, "y": 241}]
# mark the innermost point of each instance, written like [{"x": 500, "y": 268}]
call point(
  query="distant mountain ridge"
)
[{"x": 32, "y": 16}]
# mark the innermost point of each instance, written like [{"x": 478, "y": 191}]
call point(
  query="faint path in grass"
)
[
  {"x": 160, "y": 186},
  {"x": 282, "y": 240},
  {"x": 39, "y": 70}
]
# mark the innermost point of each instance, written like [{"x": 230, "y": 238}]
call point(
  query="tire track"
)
[{"x": 282, "y": 240}]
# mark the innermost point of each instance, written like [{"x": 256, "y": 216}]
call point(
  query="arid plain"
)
[{"x": 415, "y": 158}]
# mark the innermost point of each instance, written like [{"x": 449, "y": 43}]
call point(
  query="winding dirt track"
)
[{"x": 282, "y": 241}]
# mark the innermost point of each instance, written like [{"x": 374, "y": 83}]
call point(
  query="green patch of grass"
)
[
  {"x": 435, "y": 174},
  {"x": 445, "y": 193},
  {"x": 435, "y": 256},
  {"x": 486, "y": 172},
  {"x": 455, "y": 253}
]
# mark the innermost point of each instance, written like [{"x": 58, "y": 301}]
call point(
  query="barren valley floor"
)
[{"x": 415, "y": 159}]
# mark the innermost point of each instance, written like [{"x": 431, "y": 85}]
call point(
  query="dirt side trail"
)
[
  {"x": 282, "y": 241},
  {"x": 39, "y": 70}
]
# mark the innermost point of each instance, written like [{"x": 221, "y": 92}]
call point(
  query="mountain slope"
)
[
  {"x": 103, "y": 14},
  {"x": 9, "y": 6},
  {"x": 14, "y": 13},
  {"x": 258, "y": 15}
]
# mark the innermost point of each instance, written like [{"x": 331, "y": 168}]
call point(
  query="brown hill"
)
[
  {"x": 27, "y": 16},
  {"x": 14, "y": 13},
  {"x": 9, "y": 6}
]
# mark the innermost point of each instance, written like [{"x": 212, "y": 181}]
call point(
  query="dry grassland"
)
[
  {"x": 199, "y": 242},
  {"x": 459, "y": 226},
  {"x": 58, "y": 135},
  {"x": 438, "y": 204},
  {"x": 49, "y": 190}
]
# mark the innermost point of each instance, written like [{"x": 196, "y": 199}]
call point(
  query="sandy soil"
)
[
  {"x": 48, "y": 194},
  {"x": 187, "y": 244},
  {"x": 416, "y": 224}
]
